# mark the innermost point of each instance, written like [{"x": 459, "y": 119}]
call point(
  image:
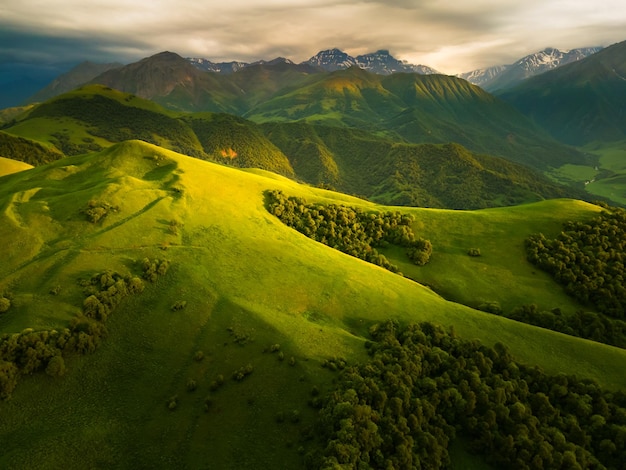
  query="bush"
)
[
  {"x": 56, "y": 366},
  {"x": 5, "y": 304},
  {"x": 473, "y": 252}
]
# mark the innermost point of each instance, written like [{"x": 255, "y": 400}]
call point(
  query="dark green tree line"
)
[{"x": 351, "y": 230}]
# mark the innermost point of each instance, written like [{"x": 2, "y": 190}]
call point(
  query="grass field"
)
[{"x": 243, "y": 274}]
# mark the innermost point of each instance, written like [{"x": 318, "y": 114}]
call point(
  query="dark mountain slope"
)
[
  {"x": 579, "y": 102},
  {"x": 172, "y": 81},
  {"x": 430, "y": 175},
  {"x": 94, "y": 117}
]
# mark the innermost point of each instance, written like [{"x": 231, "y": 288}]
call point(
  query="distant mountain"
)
[
  {"x": 19, "y": 81},
  {"x": 76, "y": 77},
  {"x": 482, "y": 77},
  {"x": 174, "y": 82},
  {"x": 379, "y": 62},
  {"x": 332, "y": 59},
  {"x": 507, "y": 76},
  {"x": 383, "y": 63},
  {"x": 579, "y": 102}
]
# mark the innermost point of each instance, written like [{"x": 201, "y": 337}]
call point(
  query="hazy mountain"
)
[
  {"x": 482, "y": 77},
  {"x": 18, "y": 81},
  {"x": 76, "y": 77},
  {"x": 507, "y": 76},
  {"x": 579, "y": 102}
]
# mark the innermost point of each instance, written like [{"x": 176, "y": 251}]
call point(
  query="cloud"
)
[{"x": 452, "y": 36}]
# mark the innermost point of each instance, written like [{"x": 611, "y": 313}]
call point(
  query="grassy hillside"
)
[{"x": 248, "y": 282}]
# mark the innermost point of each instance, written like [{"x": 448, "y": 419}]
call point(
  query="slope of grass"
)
[
  {"x": 501, "y": 273},
  {"x": 248, "y": 282}
]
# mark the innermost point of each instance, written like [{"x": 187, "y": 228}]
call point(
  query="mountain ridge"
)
[{"x": 507, "y": 76}]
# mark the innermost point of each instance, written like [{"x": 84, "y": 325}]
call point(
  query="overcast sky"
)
[{"x": 451, "y": 36}]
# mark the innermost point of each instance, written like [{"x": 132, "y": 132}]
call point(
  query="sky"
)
[{"x": 452, "y": 36}]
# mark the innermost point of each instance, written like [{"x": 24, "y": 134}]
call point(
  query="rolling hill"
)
[
  {"x": 356, "y": 161},
  {"x": 239, "y": 283}
]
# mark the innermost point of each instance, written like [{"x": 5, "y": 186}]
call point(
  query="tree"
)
[{"x": 5, "y": 304}]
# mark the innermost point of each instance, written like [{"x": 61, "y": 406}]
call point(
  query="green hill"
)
[
  {"x": 356, "y": 161},
  {"x": 419, "y": 109},
  {"x": 239, "y": 283},
  {"x": 94, "y": 117}
]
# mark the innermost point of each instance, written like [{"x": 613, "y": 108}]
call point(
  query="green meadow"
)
[{"x": 249, "y": 283}]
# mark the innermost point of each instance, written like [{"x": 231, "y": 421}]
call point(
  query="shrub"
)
[
  {"x": 5, "y": 304},
  {"x": 172, "y": 403},
  {"x": 191, "y": 385},
  {"x": 198, "y": 356},
  {"x": 473, "y": 252},
  {"x": 56, "y": 366},
  {"x": 181, "y": 304}
]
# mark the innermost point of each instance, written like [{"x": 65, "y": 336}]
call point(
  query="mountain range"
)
[
  {"x": 404, "y": 106},
  {"x": 501, "y": 77},
  {"x": 380, "y": 62}
]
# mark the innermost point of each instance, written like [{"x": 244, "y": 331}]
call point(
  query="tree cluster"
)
[
  {"x": 588, "y": 258},
  {"x": 98, "y": 210},
  {"x": 351, "y": 230},
  {"x": 31, "y": 351},
  {"x": 423, "y": 386}
]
